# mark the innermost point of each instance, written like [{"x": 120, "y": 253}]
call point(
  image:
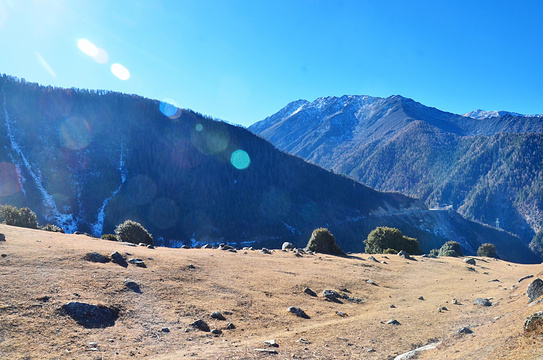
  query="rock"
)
[
  {"x": 200, "y": 325},
  {"x": 470, "y": 261},
  {"x": 142, "y": 244},
  {"x": 393, "y": 322},
  {"x": 524, "y": 278},
  {"x": 303, "y": 341},
  {"x": 341, "y": 313},
  {"x": 463, "y": 330},
  {"x": 369, "y": 350},
  {"x": 96, "y": 257},
  {"x": 371, "y": 282},
  {"x": 455, "y": 302},
  {"x": 45, "y": 298},
  {"x": 165, "y": 329},
  {"x": 217, "y": 315},
  {"x": 91, "y": 316},
  {"x": 413, "y": 353},
  {"x": 271, "y": 343},
  {"x": 482, "y": 302},
  {"x": 132, "y": 285},
  {"x": 421, "y": 297},
  {"x": 393, "y": 306},
  {"x": 310, "y": 292},
  {"x": 535, "y": 289},
  {"x": 230, "y": 326},
  {"x": 150, "y": 246},
  {"x": 216, "y": 332},
  {"x": 371, "y": 257},
  {"x": 404, "y": 255},
  {"x": 226, "y": 247},
  {"x": 265, "y": 251},
  {"x": 190, "y": 266},
  {"x": 207, "y": 246},
  {"x": 442, "y": 308},
  {"x": 298, "y": 312},
  {"x": 269, "y": 351},
  {"x": 185, "y": 247},
  {"x": 287, "y": 246},
  {"x": 2, "y": 237},
  {"x": 117, "y": 258},
  {"x": 137, "y": 262},
  {"x": 534, "y": 321},
  {"x": 4, "y": 255},
  {"x": 93, "y": 344},
  {"x": 331, "y": 295}
]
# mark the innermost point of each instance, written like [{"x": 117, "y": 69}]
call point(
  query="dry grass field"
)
[{"x": 253, "y": 290}]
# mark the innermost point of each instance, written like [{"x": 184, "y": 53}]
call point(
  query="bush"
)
[
  {"x": 390, "y": 251},
  {"x": 383, "y": 238},
  {"x": 54, "y": 228},
  {"x": 111, "y": 237},
  {"x": 488, "y": 250},
  {"x": 133, "y": 232},
  {"x": 451, "y": 248},
  {"x": 434, "y": 253},
  {"x": 23, "y": 217},
  {"x": 536, "y": 245},
  {"x": 323, "y": 241}
]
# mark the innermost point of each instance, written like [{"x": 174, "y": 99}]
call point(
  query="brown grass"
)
[{"x": 257, "y": 289}]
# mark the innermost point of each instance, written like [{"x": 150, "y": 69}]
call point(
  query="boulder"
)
[
  {"x": 117, "y": 258},
  {"x": 404, "y": 255},
  {"x": 470, "y": 261},
  {"x": 331, "y": 295},
  {"x": 535, "y": 289},
  {"x": 137, "y": 262},
  {"x": 310, "y": 292},
  {"x": 463, "y": 330},
  {"x": 91, "y": 316},
  {"x": 287, "y": 246},
  {"x": 132, "y": 285},
  {"x": 534, "y": 321},
  {"x": 2, "y": 237},
  {"x": 200, "y": 325},
  {"x": 393, "y": 322},
  {"x": 482, "y": 302},
  {"x": 96, "y": 257},
  {"x": 298, "y": 312},
  {"x": 217, "y": 315}
]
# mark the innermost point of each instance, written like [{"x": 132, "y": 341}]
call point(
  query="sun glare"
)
[
  {"x": 87, "y": 47},
  {"x": 120, "y": 71}
]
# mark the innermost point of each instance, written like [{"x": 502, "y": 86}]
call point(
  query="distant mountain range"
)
[
  {"x": 88, "y": 160},
  {"x": 486, "y": 165}
]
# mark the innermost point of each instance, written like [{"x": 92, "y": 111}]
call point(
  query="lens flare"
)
[
  {"x": 120, "y": 71},
  {"x": 240, "y": 159},
  {"x": 75, "y": 133},
  {"x": 9, "y": 179},
  {"x": 169, "y": 109},
  {"x": 199, "y": 127},
  {"x": 87, "y": 47},
  {"x": 101, "y": 56}
]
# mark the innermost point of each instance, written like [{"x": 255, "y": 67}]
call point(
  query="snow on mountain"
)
[{"x": 484, "y": 114}]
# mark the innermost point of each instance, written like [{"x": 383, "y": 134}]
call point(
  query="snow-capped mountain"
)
[{"x": 483, "y": 114}]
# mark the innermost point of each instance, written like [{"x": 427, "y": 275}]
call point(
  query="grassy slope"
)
[{"x": 257, "y": 289}]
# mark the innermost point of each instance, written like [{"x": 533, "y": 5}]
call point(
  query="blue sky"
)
[{"x": 241, "y": 61}]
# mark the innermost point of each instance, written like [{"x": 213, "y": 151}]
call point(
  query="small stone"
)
[
  {"x": 269, "y": 351},
  {"x": 271, "y": 343},
  {"x": 111, "y": 340},
  {"x": 230, "y": 326},
  {"x": 265, "y": 251},
  {"x": 117, "y": 258},
  {"x": 191, "y": 266},
  {"x": 341, "y": 313},
  {"x": 421, "y": 297},
  {"x": 393, "y": 322},
  {"x": 371, "y": 282},
  {"x": 165, "y": 330},
  {"x": 93, "y": 344},
  {"x": 369, "y": 350},
  {"x": 535, "y": 289},
  {"x": 132, "y": 285},
  {"x": 217, "y": 315},
  {"x": 470, "y": 261},
  {"x": 2, "y": 237},
  {"x": 96, "y": 257},
  {"x": 150, "y": 246},
  {"x": 287, "y": 246},
  {"x": 534, "y": 321},
  {"x": 524, "y": 278},
  {"x": 185, "y": 247},
  {"x": 216, "y": 332},
  {"x": 442, "y": 308},
  {"x": 371, "y": 257},
  {"x": 200, "y": 325},
  {"x": 298, "y": 312},
  {"x": 393, "y": 306},
  {"x": 331, "y": 295},
  {"x": 303, "y": 341},
  {"x": 454, "y": 301},
  {"x": 482, "y": 302},
  {"x": 142, "y": 244},
  {"x": 404, "y": 255},
  {"x": 310, "y": 292},
  {"x": 464, "y": 330},
  {"x": 137, "y": 262}
]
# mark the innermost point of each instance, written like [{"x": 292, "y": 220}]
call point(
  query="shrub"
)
[
  {"x": 536, "y": 245},
  {"x": 383, "y": 238},
  {"x": 111, "y": 237},
  {"x": 451, "y": 248},
  {"x": 488, "y": 250},
  {"x": 323, "y": 241},
  {"x": 434, "y": 253},
  {"x": 23, "y": 217},
  {"x": 54, "y": 228},
  {"x": 390, "y": 251},
  {"x": 133, "y": 232}
]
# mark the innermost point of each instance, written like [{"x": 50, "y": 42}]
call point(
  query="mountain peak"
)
[{"x": 484, "y": 114}]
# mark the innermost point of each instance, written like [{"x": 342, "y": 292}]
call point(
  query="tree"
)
[
  {"x": 384, "y": 238},
  {"x": 133, "y": 232},
  {"x": 536, "y": 245},
  {"x": 488, "y": 250},
  {"x": 23, "y": 217},
  {"x": 451, "y": 248},
  {"x": 323, "y": 241}
]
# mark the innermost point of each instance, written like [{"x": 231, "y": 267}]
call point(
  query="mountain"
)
[
  {"x": 88, "y": 160},
  {"x": 483, "y": 114},
  {"x": 489, "y": 169}
]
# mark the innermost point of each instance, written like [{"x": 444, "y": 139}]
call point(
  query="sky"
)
[{"x": 243, "y": 60}]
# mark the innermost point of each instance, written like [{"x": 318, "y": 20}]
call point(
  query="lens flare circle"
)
[
  {"x": 120, "y": 71},
  {"x": 75, "y": 133},
  {"x": 169, "y": 109},
  {"x": 101, "y": 56},
  {"x": 240, "y": 159},
  {"x": 199, "y": 127},
  {"x": 9, "y": 179},
  {"x": 87, "y": 47}
]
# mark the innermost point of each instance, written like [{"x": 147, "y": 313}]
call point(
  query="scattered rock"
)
[
  {"x": 216, "y": 332},
  {"x": 190, "y": 266},
  {"x": 96, "y": 257},
  {"x": 287, "y": 246},
  {"x": 269, "y": 351},
  {"x": 217, "y": 315},
  {"x": 371, "y": 282},
  {"x": 117, "y": 258},
  {"x": 442, "y": 308},
  {"x": 137, "y": 262},
  {"x": 371, "y": 257},
  {"x": 471, "y": 269},
  {"x": 132, "y": 285},
  {"x": 370, "y": 350},
  {"x": 200, "y": 325},
  {"x": 4, "y": 255},
  {"x": 265, "y": 251},
  {"x": 421, "y": 297},
  {"x": 341, "y": 313},
  {"x": 393, "y": 322},
  {"x": 207, "y": 246},
  {"x": 393, "y": 306},
  {"x": 482, "y": 302},
  {"x": 470, "y": 261},
  {"x": 230, "y": 326},
  {"x": 464, "y": 330},
  {"x": 411, "y": 354},
  {"x": 524, "y": 278},
  {"x": 271, "y": 343},
  {"x": 298, "y": 312},
  {"x": 165, "y": 329},
  {"x": 91, "y": 316},
  {"x": 45, "y": 298},
  {"x": 404, "y": 255},
  {"x": 303, "y": 341},
  {"x": 494, "y": 280},
  {"x": 331, "y": 295},
  {"x": 2, "y": 237},
  {"x": 150, "y": 246},
  {"x": 455, "y": 302},
  {"x": 534, "y": 321},
  {"x": 310, "y": 292},
  {"x": 535, "y": 289}
]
